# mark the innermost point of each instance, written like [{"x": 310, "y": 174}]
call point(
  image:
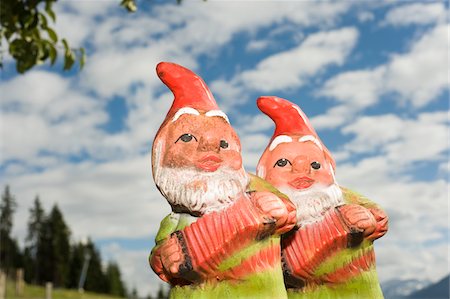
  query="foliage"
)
[
  {"x": 49, "y": 255},
  {"x": 130, "y": 5},
  {"x": 26, "y": 27},
  {"x": 57, "y": 235},
  {"x": 114, "y": 279},
  {"x": 8, "y": 207},
  {"x": 35, "y": 241},
  {"x": 10, "y": 255}
]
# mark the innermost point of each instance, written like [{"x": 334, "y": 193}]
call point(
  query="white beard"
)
[
  {"x": 312, "y": 204},
  {"x": 214, "y": 191}
]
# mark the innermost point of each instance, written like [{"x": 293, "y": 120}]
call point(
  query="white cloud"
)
[
  {"x": 334, "y": 117},
  {"x": 416, "y": 77},
  {"x": 357, "y": 88},
  {"x": 257, "y": 45},
  {"x": 402, "y": 141},
  {"x": 291, "y": 68},
  {"x": 108, "y": 194},
  {"x": 421, "y": 75},
  {"x": 365, "y": 16},
  {"x": 116, "y": 65},
  {"x": 49, "y": 112},
  {"x": 416, "y": 13}
]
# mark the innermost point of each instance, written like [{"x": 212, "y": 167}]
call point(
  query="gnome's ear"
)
[
  {"x": 158, "y": 148},
  {"x": 261, "y": 167},
  {"x": 329, "y": 158}
]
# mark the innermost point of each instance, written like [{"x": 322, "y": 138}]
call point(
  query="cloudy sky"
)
[{"x": 372, "y": 78}]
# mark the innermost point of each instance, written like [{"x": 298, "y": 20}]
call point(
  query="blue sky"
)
[{"x": 372, "y": 77}]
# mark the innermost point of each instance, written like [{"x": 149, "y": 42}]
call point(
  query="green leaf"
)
[
  {"x": 15, "y": 47},
  {"x": 26, "y": 56},
  {"x": 53, "y": 53},
  {"x": 52, "y": 34},
  {"x": 66, "y": 45},
  {"x": 82, "y": 57},
  {"x": 69, "y": 60},
  {"x": 31, "y": 21},
  {"x": 130, "y": 5},
  {"x": 44, "y": 52},
  {"x": 49, "y": 11},
  {"x": 44, "y": 22}
]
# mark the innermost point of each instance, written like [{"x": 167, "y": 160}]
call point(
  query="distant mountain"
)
[
  {"x": 439, "y": 290},
  {"x": 399, "y": 289}
]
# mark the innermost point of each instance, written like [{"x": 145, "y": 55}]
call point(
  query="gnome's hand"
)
[
  {"x": 359, "y": 218},
  {"x": 381, "y": 226},
  {"x": 276, "y": 210},
  {"x": 156, "y": 264},
  {"x": 172, "y": 256}
]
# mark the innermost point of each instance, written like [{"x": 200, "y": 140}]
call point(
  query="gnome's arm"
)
[
  {"x": 382, "y": 220},
  {"x": 343, "y": 227},
  {"x": 167, "y": 226},
  {"x": 196, "y": 251},
  {"x": 303, "y": 250}
]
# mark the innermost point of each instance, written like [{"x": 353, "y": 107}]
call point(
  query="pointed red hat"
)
[
  {"x": 289, "y": 119},
  {"x": 187, "y": 87}
]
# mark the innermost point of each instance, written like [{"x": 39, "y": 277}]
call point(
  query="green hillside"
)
[{"x": 38, "y": 292}]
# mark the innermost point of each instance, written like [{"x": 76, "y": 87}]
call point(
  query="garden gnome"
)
[
  {"x": 222, "y": 239},
  {"x": 330, "y": 252}
]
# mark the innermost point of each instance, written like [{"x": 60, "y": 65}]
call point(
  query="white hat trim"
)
[
  {"x": 310, "y": 138},
  {"x": 185, "y": 110},
  {"x": 217, "y": 113},
  {"x": 279, "y": 139}
]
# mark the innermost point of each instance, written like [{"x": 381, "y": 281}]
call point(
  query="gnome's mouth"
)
[
  {"x": 301, "y": 183},
  {"x": 209, "y": 163}
]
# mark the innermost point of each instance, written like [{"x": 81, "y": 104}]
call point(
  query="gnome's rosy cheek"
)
[
  {"x": 179, "y": 155},
  {"x": 232, "y": 159},
  {"x": 277, "y": 178}
]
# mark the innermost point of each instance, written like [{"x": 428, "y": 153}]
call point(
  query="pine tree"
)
[
  {"x": 59, "y": 235},
  {"x": 96, "y": 279},
  {"x": 33, "y": 250},
  {"x": 75, "y": 265},
  {"x": 10, "y": 256},
  {"x": 115, "y": 284}
]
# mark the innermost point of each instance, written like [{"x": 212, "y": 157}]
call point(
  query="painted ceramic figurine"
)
[
  {"x": 330, "y": 252},
  {"x": 222, "y": 239}
]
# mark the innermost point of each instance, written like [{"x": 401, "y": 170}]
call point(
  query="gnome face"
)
[
  {"x": 200, "y": 142},
  {"x": 196, "y": 157},
  {"x": 298, "y": 165}
]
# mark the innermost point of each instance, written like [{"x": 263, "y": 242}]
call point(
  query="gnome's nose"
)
[
  {"x": 208, "y": 144},
  {"x": 301, "y": 164}
]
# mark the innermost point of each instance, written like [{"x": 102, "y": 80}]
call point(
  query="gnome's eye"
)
[
  {"x": 223, "y": 144},
  {"x": 282, "y": 162},
  {"x": 186, "y": 138},
  {"x": 315, "y": 165}
]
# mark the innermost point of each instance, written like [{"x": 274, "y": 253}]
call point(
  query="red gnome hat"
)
[
  {"x": 187, "y": 87},
  {"x": 289, "y": 119}
]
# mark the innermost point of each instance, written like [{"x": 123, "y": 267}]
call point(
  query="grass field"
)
[{"x": 38, "y": 292}]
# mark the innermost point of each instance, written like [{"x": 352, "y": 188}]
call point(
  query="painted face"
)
[
  {"x": 206, "y": 143},
  {"x": 297, "y": 165}
]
